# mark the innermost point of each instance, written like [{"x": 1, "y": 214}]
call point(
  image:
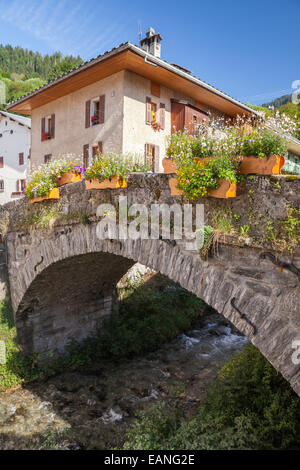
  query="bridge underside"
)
[{"x": 69, "y": 300}]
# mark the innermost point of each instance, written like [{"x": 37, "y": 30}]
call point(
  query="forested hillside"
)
[
  {"x": 22, "y": 70},
  {"x": 278, "y": 102},
  {"x": 29, "y": 64}
]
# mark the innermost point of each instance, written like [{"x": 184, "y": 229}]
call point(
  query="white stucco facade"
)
[
  {"x": 124, "y": 129},
  {"x": 14, "y": 140}
]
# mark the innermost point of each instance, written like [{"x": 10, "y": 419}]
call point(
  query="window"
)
[
  {"x": 152, "y": 156},
  {"x": 21, "y": 158},
  {"x": 1, "y": 162},
  {"x": 95, "y": 112},
  {"x": 153, "y": 111},
  {"x": 1, "y": 186},
  {"x": 95, "y": 150},
  {"x": 48, "y": 127},
  {"x": 47, "y": 158},
  {"x": 23, "y": 184}
]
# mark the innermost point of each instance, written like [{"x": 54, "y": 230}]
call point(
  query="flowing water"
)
[{"x": 92, "y": 408}]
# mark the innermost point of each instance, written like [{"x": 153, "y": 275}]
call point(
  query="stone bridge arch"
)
[{"x": 63, "y": 282}]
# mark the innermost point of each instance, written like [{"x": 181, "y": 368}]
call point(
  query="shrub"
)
[{"x": 250, "y": 406}]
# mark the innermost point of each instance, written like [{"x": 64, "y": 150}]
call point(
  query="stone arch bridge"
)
[{"x": 62, "y": 278}]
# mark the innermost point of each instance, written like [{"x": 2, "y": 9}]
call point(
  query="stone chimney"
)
[{"x": 151, "y": 43}]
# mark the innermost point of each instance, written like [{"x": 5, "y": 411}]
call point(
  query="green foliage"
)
[
  {"x": 250, "y": 406},
  {"x": 59, "y": 69},
  {"x": 24, "y": 71},
  {"x": 222, "y": 220},
  {"x": 208, "y": 236},
  {"x": 263, "y": 143},
  {"x": 179, "y": 146},
  {"x": 45, "y": 178},
  {"x": 16, "y": 60},
  {"x": 195, "y": 178},
  {"x": 108, "y": 165},
  {"x": 282, "y": 100},
  {"x": 147, "y": 318},
  {"x": 18, "y": 88},
  {"x": 259, "y": 108},
  {"x": 291, "y": 226},
  {"x": 244, "y": 229}
]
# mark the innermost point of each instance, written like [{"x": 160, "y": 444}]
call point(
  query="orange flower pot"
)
[
  {"x": 53, "y": 194},
  {"x": 114, "y": 182},
  {"x": 173, "y": 187},
  {"x": 270, "y": 165},
  {"x": 169, "y": 165},
  {"x": 69, "y": 177},
  {"x": 224, "y": 191}
]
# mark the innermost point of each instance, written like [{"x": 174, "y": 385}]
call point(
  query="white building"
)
[{"x": 15, "y": 135}]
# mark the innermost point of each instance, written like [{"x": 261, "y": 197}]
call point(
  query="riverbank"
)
[{"x": 160, "y": 377}]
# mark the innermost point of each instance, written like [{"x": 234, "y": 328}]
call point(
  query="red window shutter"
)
[
  {"x": 162, "y": 112},
  {"x": 156, "y": 159},
  {"x": 88, "y": 114},
  {"x": 148, "y": 110},
  {"x": 85, "y": 155},
  {"x": 1, "y": 162},
  {"x": 43, "y": 126},
  {"x": 21, "y": 158},
  {"x": 100, "y": 147},
  {"x": 101, "y": 109},
  {"x": 18, "y": 186},
  {"x": 53, "y": 126}
]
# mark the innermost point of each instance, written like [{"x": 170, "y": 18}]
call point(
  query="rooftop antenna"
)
[{"x": 140, "y": 31}]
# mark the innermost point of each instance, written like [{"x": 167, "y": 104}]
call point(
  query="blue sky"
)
[{"x": 249, "y": 50}]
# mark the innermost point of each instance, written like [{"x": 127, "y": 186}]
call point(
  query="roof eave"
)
[{"x": 149, "y": 57}]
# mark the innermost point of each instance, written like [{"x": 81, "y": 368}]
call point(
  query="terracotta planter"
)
[
  {"x": 224, "y": 191},
  {"x": 173, "y": 187},
  {"x": 68, "y": 178},
  {"x": 114, "y": 182},
  {"x": 53, "y": 194},
  {"x": 169, "y": 165},
  {"x": 270, "y": 165}
]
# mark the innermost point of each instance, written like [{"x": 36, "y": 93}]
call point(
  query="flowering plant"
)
[
  {"x": 45, "y": 177},
  {"x": 46, "y": 136},
  {"x": 263, "y": 142},
  {"x": 95, "y": 118},
  {"x": 195, "y": 178},
  {"x": 179, "y": 146},
  {"x": 156, "y": 125},
  {"x": 106, "y": 166}
]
